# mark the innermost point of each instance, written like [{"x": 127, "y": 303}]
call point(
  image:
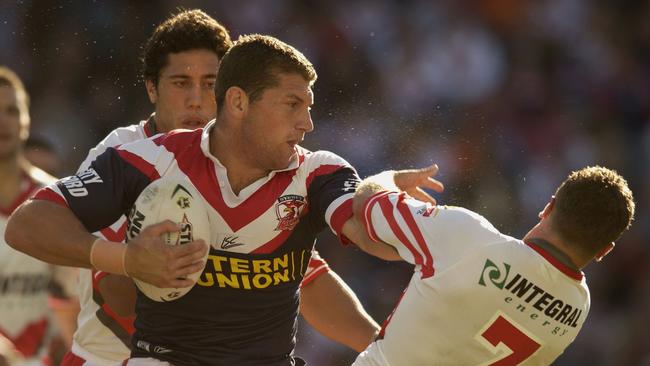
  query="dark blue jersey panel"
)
[
  {"x": 324, "y": 189},
  {"x": 105, "y": 191}
]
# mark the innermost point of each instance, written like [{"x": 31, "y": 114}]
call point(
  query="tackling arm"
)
[
  {"x": 332, "y": 308},
  {"x": 52, "y": 233}
]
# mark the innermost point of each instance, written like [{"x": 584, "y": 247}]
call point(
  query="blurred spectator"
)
[{"x": 43, "y": 154}]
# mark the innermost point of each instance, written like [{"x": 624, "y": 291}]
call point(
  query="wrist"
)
[
  {"x": 386, "y": 180},
  {"x": 108, "y": 256}
]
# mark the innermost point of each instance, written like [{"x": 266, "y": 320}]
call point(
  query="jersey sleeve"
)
[
  {"x": 330, "y": 187},
  {"x": 119, "y": 136},
  {"x": 424, "y": 234},
  {"x": 317, "y": 266},
  {"x": 106, "y": 190}
]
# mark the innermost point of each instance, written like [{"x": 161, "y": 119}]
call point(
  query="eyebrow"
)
[
  {"x": 185, "y": 76},
  {"x": 295, "y": 96}
]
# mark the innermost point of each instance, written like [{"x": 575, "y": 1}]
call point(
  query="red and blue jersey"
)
[{"x": 243, "y": 309}]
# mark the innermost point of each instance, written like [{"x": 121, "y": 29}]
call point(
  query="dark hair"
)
[
  {"x": 593, "y": 207},
  {"x": 253, "y": 63},
  {"x": 187, "y": 30}
]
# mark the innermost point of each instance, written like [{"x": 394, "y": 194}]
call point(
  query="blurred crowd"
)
[{"x": 507, "y": 96}]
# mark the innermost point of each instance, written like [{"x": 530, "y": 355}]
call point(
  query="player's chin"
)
[{"x": 283, "y": 160}]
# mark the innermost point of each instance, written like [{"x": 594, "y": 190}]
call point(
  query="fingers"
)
[
  {"x": 434, "y": 184},
  {"x": 197, "y": 247},
  {"x": 164, "y": 265},
  {"x": 158, "y": 229},
  {"x": 430, "y": 170},
  {"x": 421, "y": 195}
]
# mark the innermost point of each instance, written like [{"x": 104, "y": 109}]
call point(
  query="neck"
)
[
  {"x": 227, "y": 146},
  {"x": 543, "y": 237},
  {"x": 11, "y": 173}
]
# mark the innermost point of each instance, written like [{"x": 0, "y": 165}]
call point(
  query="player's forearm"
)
[
  {"x": 49, "y": 232},
  {"x": 119, "y": 293},
  {"x": 353, "y": 229},
  {"x": 331, "y": 308}
]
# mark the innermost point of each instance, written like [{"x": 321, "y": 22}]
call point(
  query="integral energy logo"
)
[
  {"x": 530, "y": 298},
  {"x": 495, "y": 274}
]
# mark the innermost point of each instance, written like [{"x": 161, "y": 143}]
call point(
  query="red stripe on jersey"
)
[
  {"x": 427, "y": 266},
  {"x": 313, "y": 275},
  {"x": 99, "y": 275},
  {"x": 112, "y": 235},
  {"x": 316, "y": 267},
  {"x": 200, "y": 170},
  {"x": 321, "y": 170},
  {"x": 48, "y": 194},
  {"x": 274, "y": 243},
  {"x": 139, "y": 163},
  {"x": 29, "y": 341},
  {"x": 341, "y": 215},
  {"x": 366, "y": 219},
  {"x": 556, "y": 263},
  {"x": 70, "y": 359},
  {"x": 125, "y": 323},
  {"x": 387, "y": 209}
]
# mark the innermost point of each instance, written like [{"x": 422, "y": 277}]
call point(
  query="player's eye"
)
[
  {"x": 210, "y": 84},
  {"x": 182, "y": 83},
  {"x": 13, "y": 110}
]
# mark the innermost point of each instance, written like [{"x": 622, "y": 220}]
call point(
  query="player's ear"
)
[
  {"x": 236, "y": 102},
  {"x": 599, "y": 257},
  {"x": 547, "y": 209},
  {"x": 152, "y": 91}
]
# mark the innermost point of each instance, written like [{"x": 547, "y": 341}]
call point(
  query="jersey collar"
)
[{"x": 556, "y": 257}]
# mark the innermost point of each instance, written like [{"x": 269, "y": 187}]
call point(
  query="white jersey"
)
[
  {"x": 26, "y": 284},
  {"x": 477, "y": 297},
  {"x": 102, "y": 337}
]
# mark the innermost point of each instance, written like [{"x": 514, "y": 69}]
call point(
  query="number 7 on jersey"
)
[{"x": 510, "y": 341}]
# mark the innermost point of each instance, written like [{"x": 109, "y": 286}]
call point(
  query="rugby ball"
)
[{"x": 174, "y": 199}]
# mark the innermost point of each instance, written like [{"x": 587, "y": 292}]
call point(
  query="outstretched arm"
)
[
  {"x": 52, "y": 233},
  {"x": 410, "y": 181},
  {"x": 332, "y": 308}
]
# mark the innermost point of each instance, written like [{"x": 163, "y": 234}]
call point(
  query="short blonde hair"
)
[{"x": 10, "y": 79}]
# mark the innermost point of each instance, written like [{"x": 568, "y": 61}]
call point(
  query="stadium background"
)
[{"x": 506, "y": 96}]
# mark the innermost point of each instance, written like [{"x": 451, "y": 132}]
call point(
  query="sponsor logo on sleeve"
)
[{"x": 76, "y": 184}]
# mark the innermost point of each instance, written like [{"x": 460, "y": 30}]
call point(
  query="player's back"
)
[{"x": 490, "y": 297}]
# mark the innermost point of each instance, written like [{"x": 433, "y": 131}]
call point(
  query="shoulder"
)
[
  {"x": 122, "y": 135},
  {"x": 321, "y": 161},
  {"x": 455, "y": 224},
  {"x": 464, "y": 216}
]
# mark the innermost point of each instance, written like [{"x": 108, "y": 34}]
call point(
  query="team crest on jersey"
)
[{"x": 288, "y": 210}]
